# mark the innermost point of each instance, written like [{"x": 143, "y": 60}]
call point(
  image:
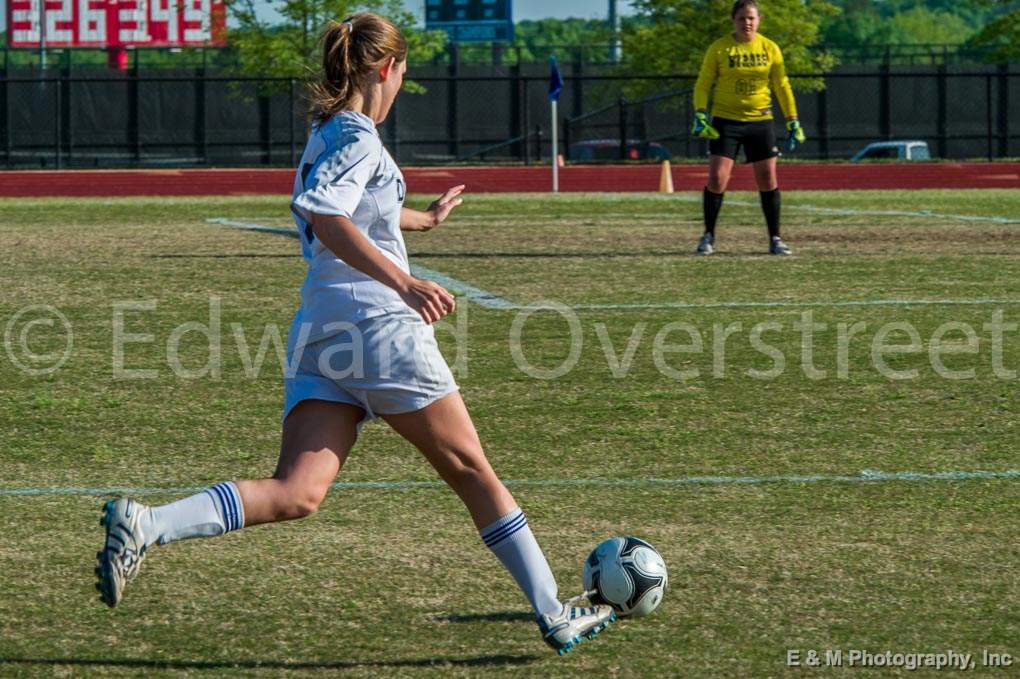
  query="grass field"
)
[{"x": 393, "y": 581}]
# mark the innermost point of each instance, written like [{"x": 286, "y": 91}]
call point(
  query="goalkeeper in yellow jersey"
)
[{"x": 740, "y": 72}]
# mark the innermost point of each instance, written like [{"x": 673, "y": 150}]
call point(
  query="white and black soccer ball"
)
[{"x": 626, "y": 573}]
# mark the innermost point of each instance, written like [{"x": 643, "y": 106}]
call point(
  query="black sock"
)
[
  {"x": 712, "y": 203},
  {"x": 770, "y": 206}
]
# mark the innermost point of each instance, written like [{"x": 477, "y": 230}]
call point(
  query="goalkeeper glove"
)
[
  {"x": 701, "y": 128},
  {"x": 796, "y": 135}
]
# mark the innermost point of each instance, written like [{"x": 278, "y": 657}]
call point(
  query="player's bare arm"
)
[
  {"x": 434, "y": 215},
  {"x": 344, "y": 240}
]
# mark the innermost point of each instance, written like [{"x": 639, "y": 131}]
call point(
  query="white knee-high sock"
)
[
  {"x": 513, "y": 543},
  {"x": 214, "y": 511}
]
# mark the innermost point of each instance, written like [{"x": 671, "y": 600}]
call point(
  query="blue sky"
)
[{"x": 523, "y": 9}]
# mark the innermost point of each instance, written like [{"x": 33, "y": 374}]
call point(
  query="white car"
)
[{"x": 894, "y": 150}]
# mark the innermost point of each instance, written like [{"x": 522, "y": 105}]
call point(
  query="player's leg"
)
[
  {"x": 762, "y": 153},
  {"x": 445, "y": 434},
  {"x": 719, "y": 170},
  {"x": 722, "y": 152},
  {"x": 768, "y": 190},
  {"x": 765, "y": 175},
  {"x": 317, "y": 436}
]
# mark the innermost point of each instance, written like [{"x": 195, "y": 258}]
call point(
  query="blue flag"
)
[{"x": 555, "y": 80}]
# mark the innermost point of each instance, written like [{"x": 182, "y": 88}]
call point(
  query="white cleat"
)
[
  {"x": 778, "y": 247},
  {"x": 706, "y": 245},
  {"x": 574, "y": 624},
  {"x": 123, "y": 551}
]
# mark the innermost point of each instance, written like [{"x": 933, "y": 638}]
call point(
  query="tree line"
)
[{"x": 661, "y": 36}]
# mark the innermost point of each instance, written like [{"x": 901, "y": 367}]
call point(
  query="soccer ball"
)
[{"x": 626, "y": 573}]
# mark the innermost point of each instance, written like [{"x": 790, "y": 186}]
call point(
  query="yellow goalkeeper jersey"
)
[{"x": 740, "y": 78}]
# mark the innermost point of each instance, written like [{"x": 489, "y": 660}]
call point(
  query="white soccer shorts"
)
[{"x": 385, "y": 365}]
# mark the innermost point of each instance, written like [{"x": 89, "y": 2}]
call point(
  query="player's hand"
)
[
  {"x": 440, "y": 209},
  {"x": 701, "y": 128},
  {"x": 796, "y": 135},
  {"x": 429, "y": 299}
]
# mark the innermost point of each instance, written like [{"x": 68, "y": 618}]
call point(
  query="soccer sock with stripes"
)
[
  {"x": 214, "y": 511},
  {"x": 711, "y": 204},
  {"x": 512, "y": 541},
  {"x": 770, "y": 206}
]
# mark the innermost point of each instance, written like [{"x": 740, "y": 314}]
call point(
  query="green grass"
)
[{"x": 396, "y": 582}]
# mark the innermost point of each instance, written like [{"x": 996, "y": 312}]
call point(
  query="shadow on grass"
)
[
  {"x": 230, "y": 255},
  {"x": 734, "y": 254},
  {"x": 501, "y": 616},
  {"x": 582, "y": 255},
  {"x": 546, "y": 255},
  {"x": 476, "y": 661}
]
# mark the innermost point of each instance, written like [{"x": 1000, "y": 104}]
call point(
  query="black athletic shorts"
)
[{"x": 758, "y": 139}]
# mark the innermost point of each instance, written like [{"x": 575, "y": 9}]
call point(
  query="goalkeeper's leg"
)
[
  {"x": 719, "y": 169},
  {"x": 768, "y": 190}
]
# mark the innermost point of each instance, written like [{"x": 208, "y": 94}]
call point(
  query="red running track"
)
[{"x": 591, "y": 178}]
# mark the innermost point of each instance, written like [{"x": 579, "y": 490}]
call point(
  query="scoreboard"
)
[
  {"x": 471, "y": 20},
  {"x": 115, "y": 23}
]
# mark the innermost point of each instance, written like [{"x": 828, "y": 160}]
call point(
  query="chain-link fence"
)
[
  {"x": 960, "y": 113},
  {"x": 134, "y": 121},
  {"x": 191, "y": 119},
  {"x": 489, "y": 54},
  {"x": 909, "y": 54}
]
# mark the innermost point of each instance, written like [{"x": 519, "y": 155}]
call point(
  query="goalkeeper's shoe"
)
[
  {"x": 123, "y": 551},
  {"x": 706, "y": 245},
  {"x": 701, "y": 128},
  {"x": 574, "y": 624},
  {"x": 778, "y": 247}
]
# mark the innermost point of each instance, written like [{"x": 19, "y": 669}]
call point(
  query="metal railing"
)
[
  {"x": 133, "y": 120},
  {"x": 490, "y": 54}
]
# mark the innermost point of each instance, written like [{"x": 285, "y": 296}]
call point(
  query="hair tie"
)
[{"x": 350, "y": 27}]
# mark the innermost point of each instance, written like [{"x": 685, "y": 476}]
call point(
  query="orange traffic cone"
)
[{"x": 666, "y": 178}]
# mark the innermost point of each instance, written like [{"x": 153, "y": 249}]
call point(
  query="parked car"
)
[
  {"x": 894, "y": 150},
  {"x": 609, "y": 149}
]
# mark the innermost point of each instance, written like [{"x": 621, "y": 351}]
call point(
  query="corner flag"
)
[
  {"x": 555, "y": 87},
  {"x": 555, "y": 80}
]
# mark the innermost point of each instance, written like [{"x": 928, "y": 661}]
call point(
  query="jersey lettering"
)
[{"x": 748, "y": 59}]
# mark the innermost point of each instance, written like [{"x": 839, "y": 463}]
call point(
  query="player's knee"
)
[
  {"x": 302, "y": 501},
  {"x": 764, "y": 174},
  {"x": 766, "y": 181},
  {"x": 468, "y": 469},
  {"x": 463, "y": 476},
  {"x": 717, "y": 183},
  {"x": 303, "y": 508}
]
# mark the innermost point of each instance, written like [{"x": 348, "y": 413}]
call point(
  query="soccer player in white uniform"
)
[{"x": 361, "y": 346}]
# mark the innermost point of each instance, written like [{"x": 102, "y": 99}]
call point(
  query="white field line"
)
[
  {"x": 480, "y": 297},
  {"x": 252, "y": 226},
  {"x": 865, "y": 476},
  {"x": 490, "y": 300}
]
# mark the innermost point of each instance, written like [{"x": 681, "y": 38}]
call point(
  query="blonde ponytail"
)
[{"x": 351, "y": 51}]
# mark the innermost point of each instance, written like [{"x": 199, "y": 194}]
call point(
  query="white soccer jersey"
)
[{"x": 346, "y": 171}]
